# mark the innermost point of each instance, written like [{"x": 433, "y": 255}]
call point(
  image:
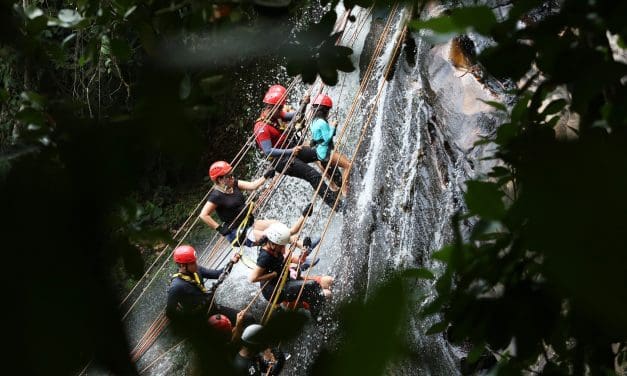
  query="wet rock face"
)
[
  {"x": 457, "y": 98},
  {"x": 462, "y": 53},
  {"x": 411, "y": 173}
]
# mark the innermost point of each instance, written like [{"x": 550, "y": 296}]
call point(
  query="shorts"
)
[
  {"x": 307, "y": 154},
  {"x": 245, "y": 238}
]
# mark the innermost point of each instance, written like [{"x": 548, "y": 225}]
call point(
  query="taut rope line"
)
[
  {"x": 163, "y": 322},
  {"x": 361, "y": 136},
  {"x": 272, "y": 304}
]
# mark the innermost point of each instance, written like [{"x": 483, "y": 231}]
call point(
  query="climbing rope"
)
[
  {"x": 161, "y": 321},
  {"x": 236, "y": 161},
  {"x": 148, "y": 338},
  {"x": 383, "y": 37},
  {"x": 143, "y": 370},
  {"x": 361, "y": 138},
  {"x": 260, "y": 204}
]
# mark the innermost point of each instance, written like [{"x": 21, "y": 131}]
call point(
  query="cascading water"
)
[{"x": 407, "y": 180}]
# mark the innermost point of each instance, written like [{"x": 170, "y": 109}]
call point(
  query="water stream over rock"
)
[{"x": 407, "y": 181}]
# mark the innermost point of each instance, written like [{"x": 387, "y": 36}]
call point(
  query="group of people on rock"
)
[{"x": 190, "y": 301}]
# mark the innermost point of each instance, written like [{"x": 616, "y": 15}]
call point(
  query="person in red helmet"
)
[
  {"x": 221, "y": 324},
  {"x": 229, "y": 202},
  {"x": 189, "y": 301},
  {"x": 223, "y": 327},
  {"x": 273, "y": 141},
  {"x": 322, "y": 133}
]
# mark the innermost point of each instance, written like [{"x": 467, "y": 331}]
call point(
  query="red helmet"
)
[
  {"x": 277, "y": 94},
  {"x": 184, "y": 254},
  {"x": 323, "y": 100},
  {"x": 221, "y": 323},
  {"x": 219, "y": 168}
]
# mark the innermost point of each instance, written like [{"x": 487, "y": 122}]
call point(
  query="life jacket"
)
[
  {"x": 194, "y": 281},
  {"x": 277, "y": 123},
  {"x": 272, "y": 128}
]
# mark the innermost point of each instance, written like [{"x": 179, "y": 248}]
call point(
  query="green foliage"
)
[
  {"x": 544, "y": 266},
  {"x": 461, "y": 20},
  {"x": 485, "y": 199},
  {"x": 314, "y": 53},
  {"x": 101, "y": 103},
  {"x": 370, "y": 333}
]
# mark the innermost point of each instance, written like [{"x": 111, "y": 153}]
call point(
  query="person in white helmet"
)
[
  {"x": 270, "y": 264},
  {"x": 255, "y": 357}
]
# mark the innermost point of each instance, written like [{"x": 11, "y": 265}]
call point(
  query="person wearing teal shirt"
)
[{"x": 322, "y": 134}]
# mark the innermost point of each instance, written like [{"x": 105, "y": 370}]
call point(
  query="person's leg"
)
[
  {"x": 231, "y": 236},
  {"x": 343, "y": 162},
  {"x": 242, "y": 237},
  {"x": 325, "y": 281},
  {"x": 311, "y": 293},
  {"x": 332, "y": 173},
  {"x": 260, "y": 226},
  {"x": 301, "y": 170},
  {"x": 291, "y": 289},
  {"x": 328, "y": 179},
  {"x": 280, "y": 165},
  {"x": 308, "y": 155}
]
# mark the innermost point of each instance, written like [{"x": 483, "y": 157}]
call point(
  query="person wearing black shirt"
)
[
  {"x": 189, "y": 301},
  {"x": 228, "y": 201},
  {"x": 270, "y": 264},
  {"x": 252, "y": 359}
]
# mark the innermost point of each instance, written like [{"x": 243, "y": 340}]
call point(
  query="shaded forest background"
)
[{"x": 109, "y": 108}]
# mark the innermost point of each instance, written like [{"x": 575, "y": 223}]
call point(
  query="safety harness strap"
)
[{"x": 194, "y": 281}]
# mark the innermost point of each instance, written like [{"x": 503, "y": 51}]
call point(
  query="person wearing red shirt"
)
[{"x": 272, "y": 140}]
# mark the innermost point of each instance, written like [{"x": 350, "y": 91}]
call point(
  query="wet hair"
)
[
  {"x": 267, "y": 111},
  {"x": 321, "y": 112},
  {"x": 260, "y": 242}
]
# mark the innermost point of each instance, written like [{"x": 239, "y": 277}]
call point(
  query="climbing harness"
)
[
  {"x": 159, "y": 324},
  {"x": 272, "y": 305},
  {"x": 194, "y": 280},
  {"x": 361, "y": 137}
]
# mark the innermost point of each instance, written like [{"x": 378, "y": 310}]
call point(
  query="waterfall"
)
[{"x": 407, "y": 180}]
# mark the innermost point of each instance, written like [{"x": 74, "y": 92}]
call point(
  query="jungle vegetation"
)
[{"x": 105, "y": 103}]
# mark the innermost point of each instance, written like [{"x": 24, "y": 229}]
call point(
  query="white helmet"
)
[
  {"x": 251, "y": 334},
  {"x": 278, "y": 233}
]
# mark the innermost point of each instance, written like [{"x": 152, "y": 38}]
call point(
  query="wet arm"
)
[
  {"x": 238, "y": 329},
  {"x": 259, "y": 275},
  {"x": 250, "y": 186},
  {"x": 267, "y": 148},
  {"x": 297, "y": 226},
  {"x": 210, "y": 273},
  {"x": 205, "y": 215}
]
